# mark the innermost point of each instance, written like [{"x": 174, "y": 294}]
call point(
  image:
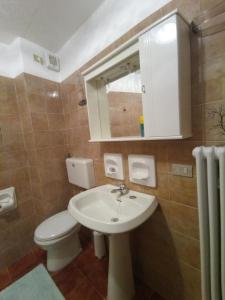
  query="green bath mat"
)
[{"x": 35, "y": 285}]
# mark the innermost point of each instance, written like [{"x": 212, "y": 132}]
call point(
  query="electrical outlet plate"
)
[{"x": 182, "y": 170}]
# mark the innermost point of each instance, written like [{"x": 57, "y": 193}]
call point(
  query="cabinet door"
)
[{"x": 159, "y": 72}]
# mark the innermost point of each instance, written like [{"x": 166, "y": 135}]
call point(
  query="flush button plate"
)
[{"x": 182, "y": 170}]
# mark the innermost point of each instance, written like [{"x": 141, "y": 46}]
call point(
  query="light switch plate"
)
[{"x": 182, "y": 170}]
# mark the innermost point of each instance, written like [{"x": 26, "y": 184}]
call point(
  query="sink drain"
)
[{"x": 114, "y": 220}]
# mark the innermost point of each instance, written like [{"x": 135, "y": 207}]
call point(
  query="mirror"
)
[
  {"x": 125, "y": 105},
  {"x": 120, "y": 98}
]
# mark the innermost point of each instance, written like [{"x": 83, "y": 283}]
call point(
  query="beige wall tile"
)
[
  {"x": 42, "y": 138},
  {"x": 38, "y": 103},
  {"x": 54, "y": 105},
  {"x": 181, "y": 218},
  {"x": 24, "y": 143},
  {"x": 197, "y": 122},
  {"x": 39, "y": 121},
  {"x": 56, "y": 121},
  {"x": 12, "y": 159},
  {"x": 207, "y": 4},
  {"x": 213, "y": 131},
  {"x": 183, "y": 190}
]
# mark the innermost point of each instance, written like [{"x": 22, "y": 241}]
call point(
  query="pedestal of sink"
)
[
  {"x": 99, "y": 209},
  {"x": 120, "y": 277}
]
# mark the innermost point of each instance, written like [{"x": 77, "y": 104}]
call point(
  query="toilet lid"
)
[{"x": 55, "y": 226}]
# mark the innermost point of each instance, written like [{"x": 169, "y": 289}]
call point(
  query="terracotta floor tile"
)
[
  {"x": 85, "y": 291},
  {"x": 68, "y": 279},
  {"x": 24, "y": 265},
  {"x": 5, "y": 279},
  {"x": 85, "y": 238},
  {"x": 84, "y": 279},
  {"x": 96, "y": 270},
  {"x": 39, "y": 254},
  {"x": 87, "y": 255}
]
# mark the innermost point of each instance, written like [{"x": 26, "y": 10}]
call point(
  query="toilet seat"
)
[{"x": 55, "y": 227}]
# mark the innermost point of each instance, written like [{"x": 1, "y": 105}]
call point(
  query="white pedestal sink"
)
[{"x": 99, "y": 209}]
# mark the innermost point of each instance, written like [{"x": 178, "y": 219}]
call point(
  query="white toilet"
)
[{"x": 58, "y": 235}]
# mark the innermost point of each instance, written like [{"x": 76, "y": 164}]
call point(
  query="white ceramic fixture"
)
[
  {"x": 58, "y": 235},
  {"x": 80, "y": 172},
  {"x": 113, "y": 164},
  {"x": 142, "y": 169},
  {"x": 99, "y": 244},
  {"x": 7, "y": 200},
  {"x": 104, "y": 209}
]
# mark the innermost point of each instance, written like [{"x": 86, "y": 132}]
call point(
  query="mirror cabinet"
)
[{"x": 142, "y": 90}]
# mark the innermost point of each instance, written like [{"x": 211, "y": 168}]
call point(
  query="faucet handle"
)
[
  {"x": 122, "y": 186},
  {"x": 124, "y": 189}
]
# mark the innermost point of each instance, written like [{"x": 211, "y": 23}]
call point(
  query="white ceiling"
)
[{"x": 48, "y": 23}]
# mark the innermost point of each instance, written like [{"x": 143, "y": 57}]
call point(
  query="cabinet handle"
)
[{"x": 143, "y": 88}]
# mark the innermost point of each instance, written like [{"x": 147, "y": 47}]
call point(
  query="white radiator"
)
[{"x": 210, "y": 170}]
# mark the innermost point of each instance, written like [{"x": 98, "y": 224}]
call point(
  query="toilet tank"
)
[{"x": 81, "y": 172}]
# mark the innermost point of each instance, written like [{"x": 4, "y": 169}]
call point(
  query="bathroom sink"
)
[{"x": 101, "y": 210}]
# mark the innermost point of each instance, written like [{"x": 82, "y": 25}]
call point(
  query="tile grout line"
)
[{"x": 92, "y": 284}]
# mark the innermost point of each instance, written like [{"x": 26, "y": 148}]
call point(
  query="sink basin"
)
[{"x": 99, "y": 209}]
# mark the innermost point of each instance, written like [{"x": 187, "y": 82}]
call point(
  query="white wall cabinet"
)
[
  {"x": 165, "y": 72},
  {"x": 164, "y": 61}
]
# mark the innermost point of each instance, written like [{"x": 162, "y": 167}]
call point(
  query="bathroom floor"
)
[{"x": 84, "y": 279}]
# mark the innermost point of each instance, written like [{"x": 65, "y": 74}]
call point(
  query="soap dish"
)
[
  {"x": 142, "y": 169},
  {"x": 113, "y": 164}
]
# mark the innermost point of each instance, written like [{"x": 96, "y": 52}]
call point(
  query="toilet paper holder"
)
[{"x": 7, "y": 200}]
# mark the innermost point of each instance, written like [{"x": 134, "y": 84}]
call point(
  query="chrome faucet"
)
[{"x": 122, "y": 189}]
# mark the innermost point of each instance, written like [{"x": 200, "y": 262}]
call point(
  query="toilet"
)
[{"x": 58, "y": 235}]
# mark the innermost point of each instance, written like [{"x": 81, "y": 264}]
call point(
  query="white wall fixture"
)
[
  {"x": 81, "y": 172},
  {"x": 7, "y": 200},
  {"x": 113, "y": 164},
  {"x": 165, "y": 75},
  {"x": 142, "y": 169},
  {"x": 164, "y": 48}
]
